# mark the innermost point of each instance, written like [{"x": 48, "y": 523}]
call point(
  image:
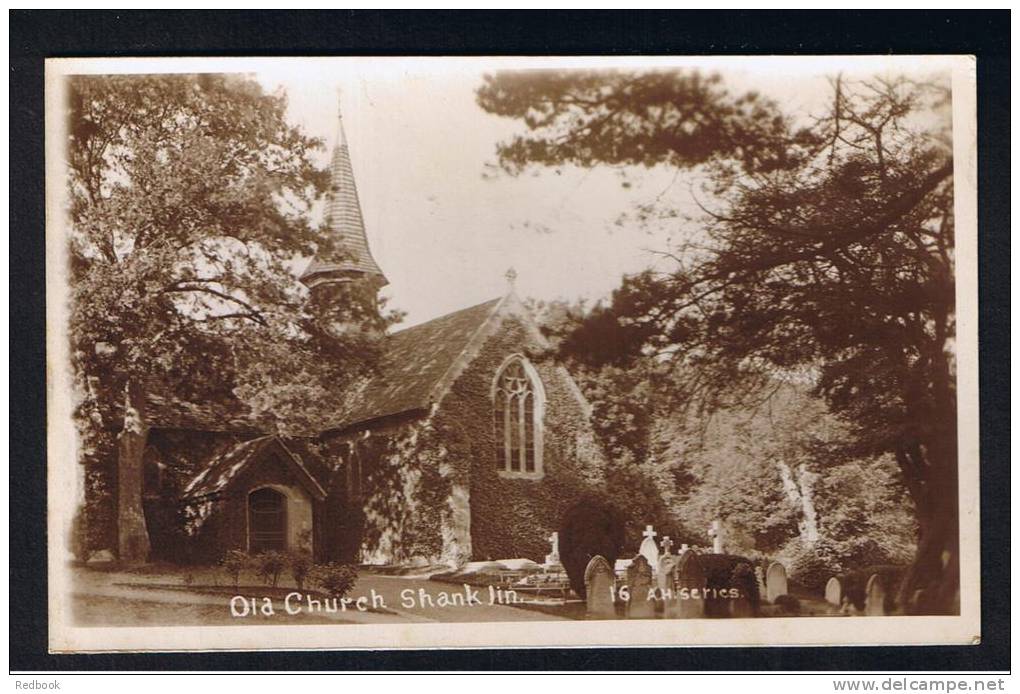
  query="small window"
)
[{"x": 517, "y": 418}]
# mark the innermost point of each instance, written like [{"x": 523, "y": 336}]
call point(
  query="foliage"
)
[
  {"x": 855, "y": 583},
  {"x": 726, "y": 571},
  {"x": 300, "y": 564},
  {"x": 234, "y": 562},
  {"x": 336, "y": 580},
  {"x": 811, "y": 566},
  {"x": 825, "y": 248},
  {"x": 269, "y": 565},
  {"x": 788, "y": 604},
  {"x": 78, "y": 543},
  {"x": 189, "y": 201},
  {"x": 591, "y": 526}
]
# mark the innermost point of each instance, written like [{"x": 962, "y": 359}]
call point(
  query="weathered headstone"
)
[
  {"x": 834, "y": 592},
  {"x": 599, "y": 583},
  {"x": 667, "y": 545},
  {"x": 715, "y": 532},
  {"x": 690, "y": 586},
  {"x": 874, "y": 596},
  {"x": 553, "y": 558},
  {"x": 640, "y": 603},
  {"x": 665, "y": 583},
  {"x": 775, "y": 582},
  {"x": 649, "y": 550}
]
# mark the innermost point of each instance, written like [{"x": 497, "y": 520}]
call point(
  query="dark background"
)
[{"x": 36, "y": 35}]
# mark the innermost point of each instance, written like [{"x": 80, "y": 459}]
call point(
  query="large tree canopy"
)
[
  {"x": 824, "y": 250},
  {"x": 190, "y": 200}
]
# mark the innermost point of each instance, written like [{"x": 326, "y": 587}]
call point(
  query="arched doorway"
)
[{"x": 267, "y": 520}]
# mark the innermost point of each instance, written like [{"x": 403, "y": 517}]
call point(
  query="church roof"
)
[
  {"x": 220, "y": 471},
  {"x": 346, "y": 224},
  {"x": 417, "y": 363}
]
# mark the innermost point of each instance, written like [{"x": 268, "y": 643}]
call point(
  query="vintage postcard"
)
[{"x": 491, "y": 352}]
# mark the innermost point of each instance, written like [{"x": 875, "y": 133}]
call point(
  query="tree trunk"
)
[{"x": 932, "y": 584}]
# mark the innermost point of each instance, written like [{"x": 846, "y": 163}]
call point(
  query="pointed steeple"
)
[{"x": 354, "y": 259}]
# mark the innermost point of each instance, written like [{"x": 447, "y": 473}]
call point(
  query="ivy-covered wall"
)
[
  {"x": 512, "y": 516},
  {"x": 430, "y": 487}
]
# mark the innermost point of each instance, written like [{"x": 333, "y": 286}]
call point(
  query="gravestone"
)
[
  {"x": 690, "y": 586},
  {"x": 665, "y": 580},
  {"x": 834, "y": 592},
  {"x": 649, "y": 550},
  {"x": 775, "y": 581},
  {"x": 640, "y": 604},
  {"x": 874, "y": 597},
  {"x": 667, "y": 545},
  {"x": 552, "y": 559},
  {"x": 599, "y": 583}
]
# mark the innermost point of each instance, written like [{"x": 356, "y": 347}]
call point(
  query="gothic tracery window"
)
[{"x": 517, "y": 418}]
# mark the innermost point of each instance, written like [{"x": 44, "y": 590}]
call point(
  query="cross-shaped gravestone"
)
[
  {"x": 715, "y": 532},
  {"x": 648, "y": 547},
  {"x": 667, "y": 544}
]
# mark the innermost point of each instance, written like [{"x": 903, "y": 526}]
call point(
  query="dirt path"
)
[{"x": 121, "y": 598}]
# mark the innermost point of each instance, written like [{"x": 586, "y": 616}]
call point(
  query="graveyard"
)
[{"x": 692, "y": 583}]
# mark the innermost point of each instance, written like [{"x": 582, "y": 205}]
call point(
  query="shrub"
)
[
  {"x": 729, "y": 571},
  {"x": 811, "y": 566},
  {"x": 233, "y": 563},
  {"x": 788, "y": 604},
  {"x": 78, "y": 542},
  {"x": 269, "y": 565},
  {"x": 336, "y": 580},
  {"x": 855, "y": 584},
  {"x": 300, "y": 564},
  {"x": 590, "y": 527}
]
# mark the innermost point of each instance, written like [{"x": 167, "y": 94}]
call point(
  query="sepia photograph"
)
[{"x": 562, "y": 351}]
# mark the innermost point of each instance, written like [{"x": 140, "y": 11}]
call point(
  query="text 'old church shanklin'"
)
[{"x": 462, "y": 446}]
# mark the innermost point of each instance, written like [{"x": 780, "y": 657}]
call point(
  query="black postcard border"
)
[{"x": 36, "y": 35}]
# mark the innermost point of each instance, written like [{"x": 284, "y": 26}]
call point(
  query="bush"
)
[
  {"x": 233, "y": 563},
  {"x": 78, "y": 541},
  {"x": 729, "y": 571},
  {"x": 336, "y": 580},
  {"x": 300, "y": 564},
  {"x": 788, "y": 604},
  {"x": 269, "y": 565},
  {"x": 855, "y": 584},
  {"x": 590, "y": 527},
  {"x": 812, "y": 566}
]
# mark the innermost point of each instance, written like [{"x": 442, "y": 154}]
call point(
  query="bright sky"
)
[{"x": 443, "y": 233}]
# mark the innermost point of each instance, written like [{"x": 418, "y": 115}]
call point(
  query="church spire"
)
[{"x": 353, "y": 259}]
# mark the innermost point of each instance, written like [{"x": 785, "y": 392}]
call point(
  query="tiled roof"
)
[
  {"x": 343, "y": 214},
  {"x": 415, "y": 363},
  {"x": 219, "y": 472}
]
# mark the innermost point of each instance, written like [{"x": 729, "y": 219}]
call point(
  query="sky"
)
[{"x": 445, "y": 233}]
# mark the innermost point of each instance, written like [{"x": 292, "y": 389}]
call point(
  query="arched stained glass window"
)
[{"x": 517, "y": 418}]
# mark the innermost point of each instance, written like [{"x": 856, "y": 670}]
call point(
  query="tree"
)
[
  {"x": 190, "y": 200},
  {"x": 824, "y": 248}
]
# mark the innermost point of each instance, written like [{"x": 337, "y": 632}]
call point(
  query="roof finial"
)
[
  {"x": 342, "y": 137},
  {"x": 511, "y": 278}
]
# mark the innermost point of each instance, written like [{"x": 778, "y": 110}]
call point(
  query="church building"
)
[{"x": 465, "y": 445}]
